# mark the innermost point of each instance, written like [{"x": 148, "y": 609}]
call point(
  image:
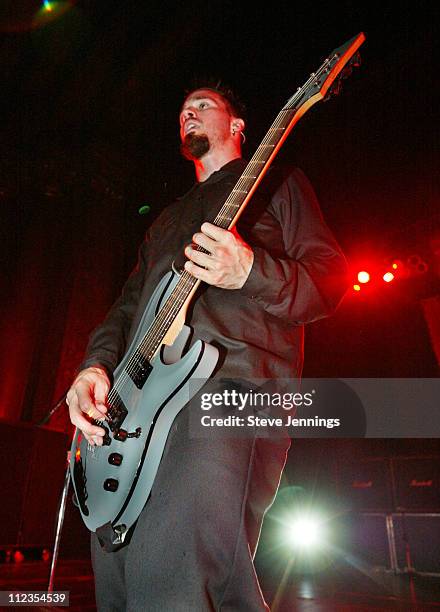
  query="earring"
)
[{"x": 243, "y": 136}]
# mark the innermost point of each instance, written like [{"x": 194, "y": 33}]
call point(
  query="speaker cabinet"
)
[
  {"x": 398, "y": 541},
  {"x": 417, "y": 483},
  {"x": 417, "y": 538},
  {"x": 366, "y": 485},
  {"x": 366, "y": 538},
  {"x": 32, "y": 468}
]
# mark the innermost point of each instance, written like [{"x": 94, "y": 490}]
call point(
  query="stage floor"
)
[{"x": 332, "y": 591}]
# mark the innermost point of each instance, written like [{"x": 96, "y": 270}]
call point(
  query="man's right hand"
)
[{"x": 88, "y": 396}]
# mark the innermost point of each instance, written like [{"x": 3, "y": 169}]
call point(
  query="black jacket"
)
[{"x": 298, "y": 276}]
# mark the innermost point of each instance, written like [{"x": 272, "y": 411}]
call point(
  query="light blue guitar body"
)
[{"x": 113, "y": 482}]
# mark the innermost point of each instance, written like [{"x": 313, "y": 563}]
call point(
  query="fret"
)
[
  {"x": 276, "y": 129},
  {"x": 267, "y": 145},
  {"x": 248, "y": 176},
  {"x": 247, "y": 183},
  {"x": 240, "y": 190}
]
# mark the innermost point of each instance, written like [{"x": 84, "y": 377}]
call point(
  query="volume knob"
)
[
  {"x": 111, "y": 484},
  {"x": 115, "y": 459}
]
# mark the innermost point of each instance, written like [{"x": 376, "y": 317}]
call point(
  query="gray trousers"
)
[{"x": 193, "y": 545}]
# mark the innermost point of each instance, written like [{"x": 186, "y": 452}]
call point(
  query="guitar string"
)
[
  {"x": 277, "y": 124},
  {"x": 159, "y": 322},
  {"x": 230, "y": 203},
  {"x": 134, "y": 368}
]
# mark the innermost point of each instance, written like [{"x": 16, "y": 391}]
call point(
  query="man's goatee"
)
[{"x": 194, "y": 146}]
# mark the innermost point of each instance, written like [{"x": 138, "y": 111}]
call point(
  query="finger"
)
[
  {"x": 86, "y": 401},
  {"x": 93, "y": 411},
  {"x": 100, "y": 391},
  {"x": 202, "y": 259},
  {"x": 97, "y": 412},
  {"x": 216, "y": 233},
  {"x": 94, "y": 440},
  {"x": 69, "y": 397},
  {"x": 205, "y": 275},
  {"x": 204, "y": 241},
  {"x": 80, "y": 421}
]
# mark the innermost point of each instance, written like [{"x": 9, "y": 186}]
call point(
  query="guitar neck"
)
[{"x": 255, "y": 170}]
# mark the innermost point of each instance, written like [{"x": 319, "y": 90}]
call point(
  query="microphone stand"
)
[
  {"x": 63, "y": 500},
  {"x": 52, "y": 411},
  {"x": 60, "y": 521}
]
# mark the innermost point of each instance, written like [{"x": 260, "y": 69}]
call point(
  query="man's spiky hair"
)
[{"x": 235, "y": 104}]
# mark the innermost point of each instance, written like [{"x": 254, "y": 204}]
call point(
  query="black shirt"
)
[{"x": 298, "y": 276}]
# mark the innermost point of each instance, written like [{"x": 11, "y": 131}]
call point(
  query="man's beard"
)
[{"x": 194, "y": 146}]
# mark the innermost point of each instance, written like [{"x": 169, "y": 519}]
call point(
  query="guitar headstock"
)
[{"x": 326, "y": 81}]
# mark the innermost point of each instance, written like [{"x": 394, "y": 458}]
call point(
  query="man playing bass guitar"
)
[{"x": 193, "y": 544}]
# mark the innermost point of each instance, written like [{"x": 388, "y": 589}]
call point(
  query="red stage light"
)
[
  {"x": 363, "y": 276},
  {"x": 357, "y": 287},
  {"x": 388, "y": 277},
  {"x": 18, "y": 556}
]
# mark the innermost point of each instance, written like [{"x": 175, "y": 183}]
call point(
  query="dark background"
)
[{"x": 90, "y": 97}]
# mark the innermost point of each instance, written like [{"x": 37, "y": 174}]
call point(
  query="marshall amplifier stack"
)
[
  {"x": 409, "y": 484},
  {"x": 416, "y": 483},
  {"x": 394, "y": 505}
]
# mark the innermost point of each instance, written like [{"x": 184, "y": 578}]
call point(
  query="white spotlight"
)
[{"x": 304, "y": 532}]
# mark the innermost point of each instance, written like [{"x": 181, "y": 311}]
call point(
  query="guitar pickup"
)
[
  {"x": 116, "y": 413},
  {"x": 141, "y": 372}
]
